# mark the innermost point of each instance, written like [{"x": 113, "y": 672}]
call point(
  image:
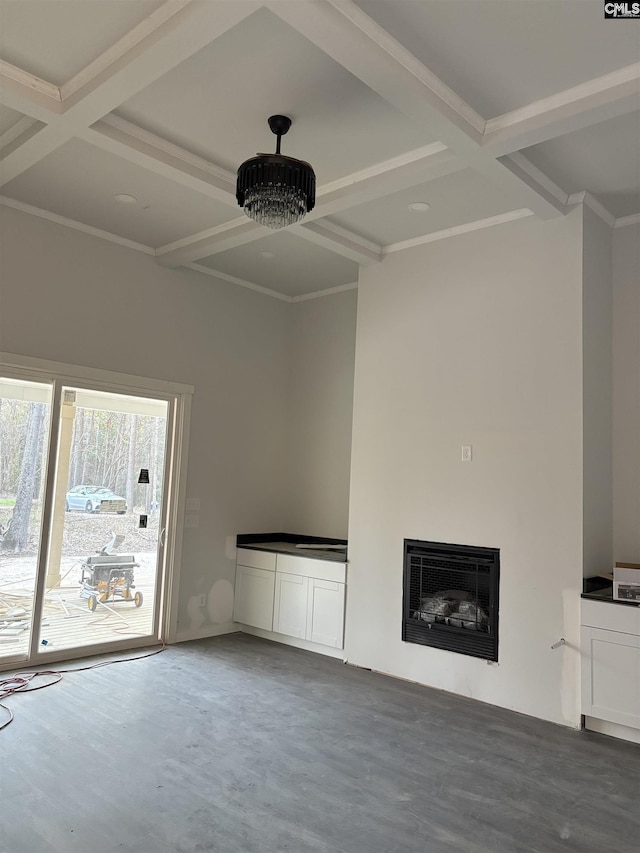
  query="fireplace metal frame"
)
[{"x": 468, "y": 560}]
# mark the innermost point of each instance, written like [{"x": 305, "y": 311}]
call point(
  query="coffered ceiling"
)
[{"x": 484, "y": 110}]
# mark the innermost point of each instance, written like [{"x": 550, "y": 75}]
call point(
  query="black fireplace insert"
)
[{"x": 450, "y": 598}]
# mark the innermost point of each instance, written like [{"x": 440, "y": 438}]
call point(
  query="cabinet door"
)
[
  {"x": 325, "y": 617},
  {"x": 611, "y": 676},
  {"x": 253, "y": 603},
  {"x": 290, "y": 605}
]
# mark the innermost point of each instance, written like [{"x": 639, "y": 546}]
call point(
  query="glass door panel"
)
[
  {"x": 25, "y": 409},
  {"x": 103, "y": 572}
]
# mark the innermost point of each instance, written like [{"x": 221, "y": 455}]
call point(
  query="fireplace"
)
[{"x": 450, "y": 597}]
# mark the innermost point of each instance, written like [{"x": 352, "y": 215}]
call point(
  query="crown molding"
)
[
  {"x": 456, "y": 230},
  {"x": 232, "y": 279},
  {"x": 74, "y": 224},
  {"x": 623, "y": 221},
  {"x": 593, "y": 204},
  {"x": 317, "y": 294}
]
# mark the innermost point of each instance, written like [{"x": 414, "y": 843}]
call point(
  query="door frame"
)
[{"x": 178, "y": 396}]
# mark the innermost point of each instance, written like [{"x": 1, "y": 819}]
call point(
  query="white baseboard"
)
[
  {"x": 206, "y": 631},
  {"x": 293, "y": 641},
  {"x": 612, "y": 729}
]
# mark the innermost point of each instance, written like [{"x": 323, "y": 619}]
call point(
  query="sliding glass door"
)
[{"x": 85, "y": 477}]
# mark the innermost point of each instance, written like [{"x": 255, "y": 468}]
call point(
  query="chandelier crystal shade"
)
[{"x": 275, "y": 190}]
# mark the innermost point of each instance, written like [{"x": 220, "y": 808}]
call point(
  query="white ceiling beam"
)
[
  {"x": 19, "y": 132},
  {"x": 343, "y": 31},
  {"x": 28, "y": 94},
  {"x": 136, "y": 145},
  {"x": 222, "y": 237},
  {"x": 581, "y": 106},
  {"x": 339, "y": 240},
  {"x": 173, "y": 33}
]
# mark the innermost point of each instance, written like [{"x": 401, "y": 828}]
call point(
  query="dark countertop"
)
[
  {"x": 285, "y": 543},
  {"x": 606, "y": 594}
]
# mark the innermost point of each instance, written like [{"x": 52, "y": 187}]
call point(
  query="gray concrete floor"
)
[{"x": 236, "y": 744}]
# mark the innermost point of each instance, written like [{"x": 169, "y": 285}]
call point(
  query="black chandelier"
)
[{"x": 273, "y": 189}]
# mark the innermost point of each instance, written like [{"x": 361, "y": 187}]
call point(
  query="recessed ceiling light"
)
[
  {"x": 267, "y": 255},
  {"x": 125, "y": 198},
  {"x": 419, "y": 207}
]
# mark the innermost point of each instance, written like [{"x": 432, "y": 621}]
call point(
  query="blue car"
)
[{"x": 89, "y": 499}]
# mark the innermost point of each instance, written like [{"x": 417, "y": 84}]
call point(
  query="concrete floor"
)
[{"x": 236, "y": 744}]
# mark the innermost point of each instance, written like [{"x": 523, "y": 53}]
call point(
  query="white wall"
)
[
  {"x": 626, "y": 393},
  {"x": 73, "y": 298},
  {"x": 473, "y": 340},
  {"x": 320, "y": 410},
  {"x": 597, "y": 353}
]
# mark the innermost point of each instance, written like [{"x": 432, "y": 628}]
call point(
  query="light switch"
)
[{"x": 193, "y": 504}]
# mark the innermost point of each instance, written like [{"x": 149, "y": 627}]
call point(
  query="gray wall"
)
[
  {"x": 626, "y": 393},
  {"x": 320, "y": 410},
  {"x": 73, "y": 298},
  {"x": 473, "y": 340}
]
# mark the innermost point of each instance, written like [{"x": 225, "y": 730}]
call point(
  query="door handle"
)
[{"x": 162, "y": 536}]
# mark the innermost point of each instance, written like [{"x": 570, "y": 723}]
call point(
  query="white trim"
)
[
  {"x": 174, "y": 519},
  {"x": 623, "y": 221},
  {"x": 16, "y": 130},
  {"x": 328, "y": 651},
  {"x": 537, "y": 175},
  {"x": 30, "y": 82},
  {"x": 208, "y": 233},
  {"x": 153, "y": 141},
  {"x": 73, "y": 223},
  {"x": 590, "y": 201},
  {"x": 339, "y": 240},
  {"x": 597, "y": 87},
  {"x": 410, "y": 63},
  {"x": 120, "y": 382},
  {"x": 318, "y": 293},
  {"x": 240, "y": 281},
  {"x": 126, "y": 44},
  {"x": 478, "y": 224},
  {"x": 393, "y": 163},
  {"x": 612, "y": 729}
]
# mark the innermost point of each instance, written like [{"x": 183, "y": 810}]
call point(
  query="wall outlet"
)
[{"x": 467, "y": 453}]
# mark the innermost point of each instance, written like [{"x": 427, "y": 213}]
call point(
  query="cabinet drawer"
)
[
  {"x": 610, "y": 617},
  {"x": 310, "y": 568},
  {"x": 256, "y": 559}
]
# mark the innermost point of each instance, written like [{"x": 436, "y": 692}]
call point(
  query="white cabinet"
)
[
  {"x": 253, "y": 602},
  {"x": 290, "y": 605},
  {"x": 292, "y": 596},
  {"x": 610, "y": 640},
  {"x": 325, "y": 613}
]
